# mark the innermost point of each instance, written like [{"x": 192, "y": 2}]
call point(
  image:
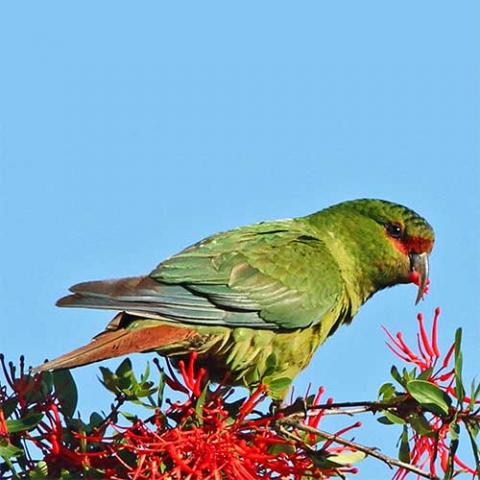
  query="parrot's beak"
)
[{"x": 419, "y": 264}]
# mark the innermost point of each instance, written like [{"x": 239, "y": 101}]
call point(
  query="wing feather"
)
[
  {"x": 279, "y": 269},
  {"x": 271, "y": 275}
]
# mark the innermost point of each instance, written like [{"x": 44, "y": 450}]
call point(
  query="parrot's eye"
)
[{"x": 395, "y": 230}]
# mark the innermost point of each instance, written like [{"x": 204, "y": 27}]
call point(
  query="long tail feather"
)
[
  {"x": 120, "y": 342},
  {"x": 145, "y": 297},
  {"x": 111, "y": 293}
]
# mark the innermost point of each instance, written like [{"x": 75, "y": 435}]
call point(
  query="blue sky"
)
[{"x": 128, "y": 132}]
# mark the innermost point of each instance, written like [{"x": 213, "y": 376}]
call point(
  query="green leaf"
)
[
  {"x": 393, "y": 418},
  {"x": 271, "y": 360},
  {"x": 9, "y": 406},
  {"x": 347, "y": 458},
  {"x": 420, "y": 424},
  {"x": 425, "y": 375},
  {"x": 429, "y": 396},
  {"x": 28, "y": 422},
  {"x": 201, "y": 401},
  {"x": 404, "y": 450},
  {"x": 409, "y": 375},
  {"x": 7, "y": 450},
  {"x": 459, "y": 388},
  {"x": 270, "y": 364},
  {"x": 453, "y": 432},
  {"x": 131, "y": 417},
  {"x": 308, "y": 402},
  {"x": 475, "y": 392},
  {"x": 279, "y": 384},
  {"x": 146, "y": 373},
  {"x": 66, "y": 391},
  {"x": 386, "y": 391},
  {"x": 46, "y": 387},
  {"x": 124, "y": 381},
  {"x": 126, "y": 377},
  {"x": 384, "y": 421},
  {"x": 396, "y": 375},
  {"x": 76, "y": 425},
  {"x": 142, "y": 390},
  {"x": 161, "y": 389},
  {"x": 278, "y": 448},
  {"x": 109, "y": 380},
  {"x": 124, "y": 368},
  {"x": 472, "y": 435},
  {"x": 322, "y": 459},
  {"x": 458, "y": 351},
  {"x": 95, "y": 420}
]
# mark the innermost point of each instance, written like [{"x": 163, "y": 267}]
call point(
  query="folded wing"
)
[{"x": 264, "y": 276}]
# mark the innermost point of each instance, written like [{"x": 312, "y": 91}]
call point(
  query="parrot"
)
[{"x": 255, "y": 302}]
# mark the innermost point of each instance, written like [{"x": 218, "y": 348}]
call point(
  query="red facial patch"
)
[
  {"x": 413, "y": 245},
  {"x": 418, "y": 244}
]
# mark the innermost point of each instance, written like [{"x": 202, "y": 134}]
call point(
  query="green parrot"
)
[{"x": 256, "y": 302}]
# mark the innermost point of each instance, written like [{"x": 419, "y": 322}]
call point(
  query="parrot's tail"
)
[{"x": 114, "y": 343}]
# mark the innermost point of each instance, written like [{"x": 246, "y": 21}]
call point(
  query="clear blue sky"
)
[{"x": 130, "y": 130}]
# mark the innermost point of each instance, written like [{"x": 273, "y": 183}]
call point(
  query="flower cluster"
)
[
  {"x": 436, "y": 385},
  {"x": 200, "y": 431},
  {"x": 202, "y": 436}
]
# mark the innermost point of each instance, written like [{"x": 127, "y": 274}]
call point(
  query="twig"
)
[
  {"x": 120, "y": 399},
  {"x": 360, "y": 403},
  {"x": 282, "y": 430},
  {"x": 391, "y": 462},
  {"x": 367, "y": 405},
  {"x": 349, "y": 411},
  {"x": 403, "y": 402}
]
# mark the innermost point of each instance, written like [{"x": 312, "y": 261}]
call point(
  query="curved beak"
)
[{"x": 419, "y": 264}]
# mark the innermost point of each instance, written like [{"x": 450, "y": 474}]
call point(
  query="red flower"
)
[
  {"x": 201, "y": 437},
  {"x": 431, "y": 450}
]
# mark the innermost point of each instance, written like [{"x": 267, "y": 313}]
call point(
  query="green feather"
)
[
  {"x": 276, "y": 270},
  {"x": 263, "y": 297}
]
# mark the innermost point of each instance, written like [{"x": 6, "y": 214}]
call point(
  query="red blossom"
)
[
  {"x": 430, "y": 451},
  {"x": 428, "y": 354},
  {"x": 197, "y": 438},
  {"x": 206, "y": 436}
]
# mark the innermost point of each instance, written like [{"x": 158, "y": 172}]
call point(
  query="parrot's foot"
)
[
  {"x": 275, "y": 407},
  {"x": 297, "y": 408}
]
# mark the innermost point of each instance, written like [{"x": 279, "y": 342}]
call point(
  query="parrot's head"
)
[{"x": 391, "y": 242}]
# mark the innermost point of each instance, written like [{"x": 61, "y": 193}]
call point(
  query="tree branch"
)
[
  {"x": 391, "y": 462},
  {"x": 402, "y": 402}
]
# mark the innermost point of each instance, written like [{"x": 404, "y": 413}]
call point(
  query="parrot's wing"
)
[
  {"x": 286, "y": 277},
  {"x": 264, "y": 276}
]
